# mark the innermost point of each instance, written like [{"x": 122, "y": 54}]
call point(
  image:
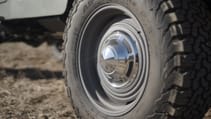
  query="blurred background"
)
[{"x": 31, "y": 83}]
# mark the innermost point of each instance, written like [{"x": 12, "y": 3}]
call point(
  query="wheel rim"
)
[{"x": 113, "y": 60}]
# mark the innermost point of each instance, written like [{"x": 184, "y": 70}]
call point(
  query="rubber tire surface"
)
[{"x": 178, "y": 34}]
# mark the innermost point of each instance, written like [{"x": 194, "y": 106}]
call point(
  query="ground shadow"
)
[{"x": 31, "y": 73}]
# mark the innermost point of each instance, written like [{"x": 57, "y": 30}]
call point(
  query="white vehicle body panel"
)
[{"x": 18, "y": 9}]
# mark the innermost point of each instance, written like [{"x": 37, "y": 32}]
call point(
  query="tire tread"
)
[{"x": 186, "y": 67}]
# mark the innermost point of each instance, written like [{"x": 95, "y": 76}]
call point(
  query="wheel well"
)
[{"x": 69, "y": 6}]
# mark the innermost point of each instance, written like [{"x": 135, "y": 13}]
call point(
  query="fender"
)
[{"x": 19, "y": 9}]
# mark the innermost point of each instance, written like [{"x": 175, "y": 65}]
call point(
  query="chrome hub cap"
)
[
  {"x": 118, "y": 59},
  {"x": 120, "y": 62}
]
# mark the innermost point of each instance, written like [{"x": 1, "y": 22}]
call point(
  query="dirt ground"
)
[{"x": 31, "y": 84}]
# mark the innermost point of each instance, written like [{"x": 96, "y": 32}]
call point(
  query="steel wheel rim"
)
[{"x": 110, "y": 98}]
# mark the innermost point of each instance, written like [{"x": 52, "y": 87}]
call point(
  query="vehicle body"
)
[
  {"x": 124, "y": 59},
  {"x": 15, "y": 9},
  {"x": 44, "y": 18}
]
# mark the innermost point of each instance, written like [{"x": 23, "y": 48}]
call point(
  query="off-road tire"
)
[{"x": 178, "y": 34}]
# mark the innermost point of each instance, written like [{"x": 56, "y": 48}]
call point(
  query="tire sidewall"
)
[{"x": 141, "y": 9}]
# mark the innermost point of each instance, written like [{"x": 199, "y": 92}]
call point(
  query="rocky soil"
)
[{"x": 31, "y": 84}]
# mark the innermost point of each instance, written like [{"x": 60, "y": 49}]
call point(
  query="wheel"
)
[{"x": 137, "y": 59}]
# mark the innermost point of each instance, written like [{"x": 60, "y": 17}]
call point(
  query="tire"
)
[{"x": 171, "y": 77}]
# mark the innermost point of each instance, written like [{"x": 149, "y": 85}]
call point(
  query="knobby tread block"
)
[{"x": 185, "y": 25}]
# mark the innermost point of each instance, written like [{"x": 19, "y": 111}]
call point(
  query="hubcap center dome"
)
[
  {"x": 114, "y": 58},
  {"x": 117, "y": 58}
]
